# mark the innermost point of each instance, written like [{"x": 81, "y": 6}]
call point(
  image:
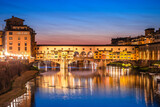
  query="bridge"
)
[{"x": 98, "y": 55}]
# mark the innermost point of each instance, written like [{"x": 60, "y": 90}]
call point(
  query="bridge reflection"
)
[{"x": 112, "y": 81}]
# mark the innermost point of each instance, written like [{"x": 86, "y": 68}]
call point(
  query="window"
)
[
  {"x": 25, "y": 48},
  {"x": 76, "y": 48},
  {"x": 118, "y": 48},
  {"x": 25, "y": 43},
  {"x": 83, "y": 48},
  {"x": 97, "y": 49},
  {"x": 10, "y": 43},
  {"x": 25, "y": 38},
  {"x": 19, "y": 44},
  {"x": 10, "y": 33},
  {"x": 18, "y": 48},
  {"x": 10, "y": 38},
  {"x": 19, "y": 38},
  {"x": 90, "y": 48},
  {"x": 126, "y": 49},
  {"x": 10, "y": 48}
]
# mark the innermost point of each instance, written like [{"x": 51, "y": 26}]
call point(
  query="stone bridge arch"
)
[
  {"x": 83, "y": 54},
  {"x": 90, "y": 54},
  {"x": 76, "y": 54}
]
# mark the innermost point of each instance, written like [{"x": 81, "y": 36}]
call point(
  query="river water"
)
[{"x": 88, "y": 87}]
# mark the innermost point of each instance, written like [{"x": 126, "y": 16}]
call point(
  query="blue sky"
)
[{"x": 83, "y": 21}]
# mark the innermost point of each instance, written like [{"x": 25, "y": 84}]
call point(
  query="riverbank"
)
[{"x": 18, "y": 87}]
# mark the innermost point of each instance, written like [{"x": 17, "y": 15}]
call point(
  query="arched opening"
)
[
  {"x": 76, "y": 54},
  {"x": 90, "y": 54},
  {"x": 83, "y": 54}
]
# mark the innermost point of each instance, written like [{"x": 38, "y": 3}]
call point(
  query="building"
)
[
  {"x": 149, "y": 31},
  {"x": 1, "y": 32},
  {"x": 18, "y": 39},
  {"x": 106, "y": 52},
  {"x": 149, "y": 51},
  {"x": 1, "y": 48},
  {"x": 150, "y": 36}
]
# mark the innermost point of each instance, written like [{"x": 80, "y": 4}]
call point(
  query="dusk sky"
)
[{"x": 83, "y": 21}]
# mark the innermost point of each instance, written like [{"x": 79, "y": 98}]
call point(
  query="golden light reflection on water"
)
[{"x": 113, "y": 78}]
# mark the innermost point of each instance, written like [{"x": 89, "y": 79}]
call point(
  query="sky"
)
[{"x": 83, "y": 21}]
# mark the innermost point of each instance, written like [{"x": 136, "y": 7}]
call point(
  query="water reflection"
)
[
  {"x": 24, "y": 100},
  {"x": 115, "y": 86}
]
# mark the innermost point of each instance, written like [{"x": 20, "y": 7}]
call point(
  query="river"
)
[{"x": 88, "y": 87}]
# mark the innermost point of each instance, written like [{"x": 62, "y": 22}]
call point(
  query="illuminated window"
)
[
  {"x": 18, "y": 48},
  {"x": 19, "y": 38},
  {"x": 10, "y": 33},
  {"x": 10, "y": 38},
  {"x": 10, "y": 43},
  {"x": 25, "y": 48},
  {"x": 10, "y": 48},
  {"x": 25, "y": 38}
]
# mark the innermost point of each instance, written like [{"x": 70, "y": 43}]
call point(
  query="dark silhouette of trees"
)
[{"x": 9, "y": 71}]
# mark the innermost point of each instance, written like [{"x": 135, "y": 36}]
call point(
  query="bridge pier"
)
[
  {"x": 46, "y": 67},
  {"x": 64, "y": 67},
  {"x": 39, "y": 65}
]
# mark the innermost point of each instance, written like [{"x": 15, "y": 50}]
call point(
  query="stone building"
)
[{"x": 18, "y": 39}]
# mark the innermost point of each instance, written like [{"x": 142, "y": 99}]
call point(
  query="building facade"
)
[
  {"x": 110, "y": 52},
  {"x": 18, "y": 39},
  {"x": 150, "y": 51},
  {"x": 151, "y": 36}
]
